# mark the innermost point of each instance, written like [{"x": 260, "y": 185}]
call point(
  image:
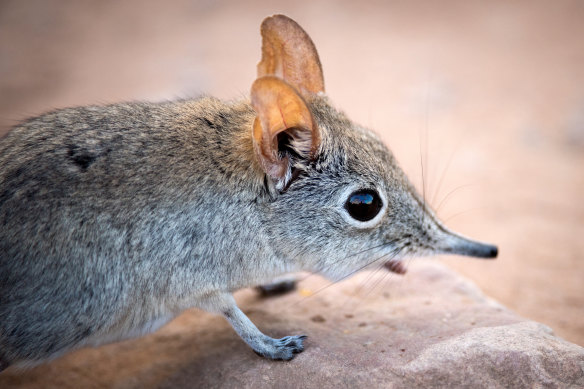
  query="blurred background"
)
[{"x": 487, "y": 98}]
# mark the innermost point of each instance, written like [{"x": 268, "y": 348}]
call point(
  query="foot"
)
[
  {"x": 396, "y": 266},
  {"x": 280, "y": 349}
]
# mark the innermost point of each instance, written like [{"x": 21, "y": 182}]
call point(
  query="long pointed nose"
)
[{"x": 453, "y": 243}]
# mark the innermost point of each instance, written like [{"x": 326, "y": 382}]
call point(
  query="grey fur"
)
[{"x": 114, "y": 219}]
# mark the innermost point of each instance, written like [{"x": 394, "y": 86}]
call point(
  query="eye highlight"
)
[{"x": 364, "y": 204}]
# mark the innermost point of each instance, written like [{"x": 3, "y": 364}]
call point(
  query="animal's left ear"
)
[
  {"x": 288, "y": 53},
  {"x": 284, "y": 132}
]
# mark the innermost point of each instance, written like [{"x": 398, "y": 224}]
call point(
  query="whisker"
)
[
  {"x": 376, "y": 283},
  {"x": 451, "y": 193},
  {"x": 447, "y": 166},
  {"x": 423, "y": 188},
  {"x": 364, "y": 283},
  {"x": 424, "y": 139},
  {"x": 461, "y": 213},
  {"x": 392, "y": 253},
  {"x": 400, "y": 285},
  {"x": 313, "y": 273}
]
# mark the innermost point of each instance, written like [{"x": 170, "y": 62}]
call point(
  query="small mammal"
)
[{"x": 114, "y": 219}]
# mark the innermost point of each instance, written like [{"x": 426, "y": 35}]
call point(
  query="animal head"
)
[{"x": 343, "y": 202}]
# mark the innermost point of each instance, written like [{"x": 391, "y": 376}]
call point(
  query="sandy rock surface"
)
[{"x": 428, "y": 328}]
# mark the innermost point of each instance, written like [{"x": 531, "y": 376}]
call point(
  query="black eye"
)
[{"x": 364, "y": 204}]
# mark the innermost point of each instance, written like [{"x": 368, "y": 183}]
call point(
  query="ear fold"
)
[
  {"x": 283, "y": 120},
  {"x": 288, "y": 53}
]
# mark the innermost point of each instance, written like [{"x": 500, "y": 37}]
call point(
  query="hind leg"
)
[
  {"x": 279, "y": 285},
  {"x": 3, "y": 364}
]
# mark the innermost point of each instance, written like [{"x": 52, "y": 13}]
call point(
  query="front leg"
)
[{"x": 278, "y": 349}]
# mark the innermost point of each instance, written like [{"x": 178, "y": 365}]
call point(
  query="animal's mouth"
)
[{"x": 396, "y": 266}]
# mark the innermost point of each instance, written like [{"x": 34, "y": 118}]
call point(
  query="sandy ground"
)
[{"x": 487, "y": 97}]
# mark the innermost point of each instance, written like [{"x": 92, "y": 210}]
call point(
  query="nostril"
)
[
  {"x": 494, "y": 252},
  {"x": 485, "y": 251}
]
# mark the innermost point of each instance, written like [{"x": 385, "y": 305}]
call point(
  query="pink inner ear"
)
[
  {"x": 280, "y": 109},
  {"x": 289, "y": 53},
  {"x": 266, "y": 151}
]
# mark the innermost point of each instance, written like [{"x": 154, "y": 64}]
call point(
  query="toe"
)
[{"x": 283, "y": 349}]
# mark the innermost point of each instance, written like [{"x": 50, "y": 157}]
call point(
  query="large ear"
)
[
  {"x": 288, "y": 53},
  {"x": 284, "y": 132}
]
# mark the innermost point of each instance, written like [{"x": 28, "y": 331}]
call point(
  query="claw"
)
[{"x": 283, "y": 349}]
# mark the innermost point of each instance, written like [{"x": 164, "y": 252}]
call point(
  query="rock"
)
[{"x": 430, "y": 328}]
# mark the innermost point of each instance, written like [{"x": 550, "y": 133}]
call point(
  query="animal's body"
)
[{"x": 114, "y": 219}]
